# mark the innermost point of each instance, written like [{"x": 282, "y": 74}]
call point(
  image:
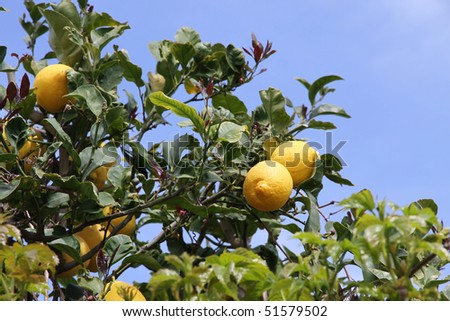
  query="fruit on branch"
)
[
  {"x": 50, "y": 86},
  {"x": 299, "y": 158},
  {"x": 267, "y": 186}
]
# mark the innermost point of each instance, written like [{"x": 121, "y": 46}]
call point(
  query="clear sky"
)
[{"x": 393, "y": 54}]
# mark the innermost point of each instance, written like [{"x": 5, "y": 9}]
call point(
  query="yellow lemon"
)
[
  {"x": 267, "y": 186},
  {"x": 128, "y": 229},
  {"x": 31, "y": 150},
  {"x": 50, "y": 87},
  {"x": 299, "y": 158},
  {"x": 98, "y": 176},
  {"x": 93, "y": 235},
  {"x": 84, "y": 249},
  {"x": 121, "y": 291}
]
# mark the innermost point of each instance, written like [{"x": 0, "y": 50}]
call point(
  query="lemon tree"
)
[{"x": 85, "y": 197}]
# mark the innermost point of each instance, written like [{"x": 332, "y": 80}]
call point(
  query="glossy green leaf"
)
[
  {"x": 60, "y": 41},
  {"x": 117, "y": 247},
  {"x": 183, "y": 52},
  {"x": 230, "y": 132},
  {"x": 313, "y": 221},
  {"x": 91, "y": 96},
  {"x": 235, "y": 58},
  {"x": 65, "y": 139},
  {"x": 187, "y": 35},
  {"x": 328, "y": 109},
  {"x": 68, "y": 245},
  {"x": 318, "y": 85},
  {"x": 273, "y": 106},
  {"x": 324, "y": 125},
  {"x": 229, "y": 102},
  {"x": 68, "y": 9},
  {"x": 131, "y": 72},
  {"x": 179, "y": 109},
  {"x": 304, "y": 82},
  {"x": 362, "y": 201}
]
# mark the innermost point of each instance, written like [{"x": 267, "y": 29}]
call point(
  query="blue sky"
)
[{"x": 393, "y": 54}]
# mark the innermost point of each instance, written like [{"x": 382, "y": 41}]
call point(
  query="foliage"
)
[{"x": 190, "y": 185}]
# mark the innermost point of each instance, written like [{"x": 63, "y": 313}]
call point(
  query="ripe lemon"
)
[
  {"x": 84, "y": 249},
  {"x": 299, "y": 158},
  {"x": 50, "y": 87},
  {"x": 98, "y": 176},
  {"x": 31, "y": 150},
  {"x": 93, "y": 235},
  {"x": 267, "y": 186},
  {"x": 128, "y": 229},
  {"x": 121, "y": 291}
]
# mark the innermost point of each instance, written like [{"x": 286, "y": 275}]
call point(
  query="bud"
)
[{"x": 157, "y": 82}]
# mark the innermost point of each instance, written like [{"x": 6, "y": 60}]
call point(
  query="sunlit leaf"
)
[{"x": 179, "y": 108}]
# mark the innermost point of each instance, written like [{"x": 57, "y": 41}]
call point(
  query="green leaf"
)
[
  {"x": 91, "y": 158},
  {"x": 70, "y": 183},
  {"x": 328, "y": 109},
  {"x": 235, "y": 58},
  {"x": 230, "y": 132},
  {"x": 183, "y": 52},
  {"x": 68, "y": 9},
  {"x": 131, "y": 72},
  {"x": 6, "y": 189},
  {"x": 446, "y": 292},
  {"x": 318, "y": 85},
  {"x": 363, "y": 201},
  {"x": 92, "y": 96},
  {"x": 102, "y": 36},
  {"x": 342, "y": 231},
  {"x": 68, "y": 245},
  {"x": 380, "y": 274},
  {"x": 230, "y": 102},
  {"x": 105, "y": 199},
  {"x": 325, "y": 125},
  {"x": 117, "y": 247},
  {"x": 179, "y": 109},
  {"x": 332, "y": 166},
  {"x": 313, "y": 221},
  {"x": 143, "y": 259},
  {"x": 119, "y": 176},
  {"x": 91, "y": 283},
  {"x": 16, "y": 132},
  {"x": 273, "y": 106},
  {"x": 2, "y": 53},
  {"x": 60, "y": 41},
  {"x": 56, "y": 200},
  {"x": 427, "y": 203},
  {"x": 187, "y": 35},
  {"x": 305, "y": 83},
  {"x": 337, "y": 178},
  {"x": 65, "y": 139}
]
